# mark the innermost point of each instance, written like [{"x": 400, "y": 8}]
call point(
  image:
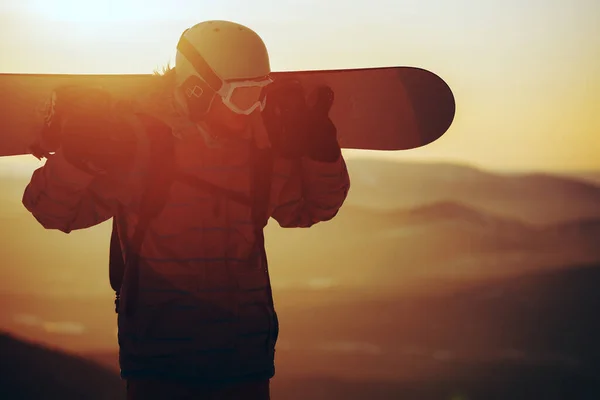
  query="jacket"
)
[{"x": 204, "y": 311}]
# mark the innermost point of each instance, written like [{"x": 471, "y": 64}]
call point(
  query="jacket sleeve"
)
[
  {"x": 59, "y": 197},
  {"x": 314, "y": 192}
]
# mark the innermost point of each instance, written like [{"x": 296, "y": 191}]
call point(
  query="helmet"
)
[
  {"x": 222, "y": 58},
  {"x": 233, "y": 51}
]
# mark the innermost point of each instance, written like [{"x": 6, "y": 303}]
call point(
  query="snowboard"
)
[{"x": 389, "y": 108}]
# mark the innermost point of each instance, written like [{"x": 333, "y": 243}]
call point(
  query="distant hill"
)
[
  {"x": 438, "y": 241},
  {"x": 592, "y": 177},
  {"x": 33, "y": 372},
  {"x": 535, "y": 198}
]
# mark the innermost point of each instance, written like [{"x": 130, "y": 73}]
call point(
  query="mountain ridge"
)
[
  {"x": 32, "y": 371},
  {"x": 537, "y": 198}
]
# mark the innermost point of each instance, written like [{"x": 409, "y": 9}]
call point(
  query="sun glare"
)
[{"x": 101, "y": 12}]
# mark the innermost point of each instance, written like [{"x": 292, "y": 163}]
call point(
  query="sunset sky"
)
[{"x": 526, "y": 74}]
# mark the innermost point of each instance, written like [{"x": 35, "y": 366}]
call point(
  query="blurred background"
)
[{"x": 463, "y": 270}]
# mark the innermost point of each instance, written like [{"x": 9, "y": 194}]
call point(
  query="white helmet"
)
[
  {"x": 232, "y": 50},
  {"x": 225, "y": 56}
]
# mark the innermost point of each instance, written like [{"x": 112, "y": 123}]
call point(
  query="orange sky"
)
[{"x": 524, "y": 73}]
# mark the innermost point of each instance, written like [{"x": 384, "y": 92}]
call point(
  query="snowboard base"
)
[{"x": 392, "y": 108}]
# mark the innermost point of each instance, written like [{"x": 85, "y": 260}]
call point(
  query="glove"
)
[
  {"x": 299, "y": 129},
  {"x": 82, "y": 122}
]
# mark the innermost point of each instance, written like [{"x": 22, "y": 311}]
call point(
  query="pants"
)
[{"x": 166, "y": 390}]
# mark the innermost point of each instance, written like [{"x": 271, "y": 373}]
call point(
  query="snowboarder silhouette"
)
[{"x": 190, "y": 180}]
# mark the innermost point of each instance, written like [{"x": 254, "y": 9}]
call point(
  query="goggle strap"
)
[{"x": 199, "y": 64}]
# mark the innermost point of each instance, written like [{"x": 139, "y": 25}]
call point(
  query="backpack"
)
[{"x": 162, "y": 173}]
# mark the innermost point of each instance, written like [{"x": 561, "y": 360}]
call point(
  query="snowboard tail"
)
[{"x": 392, "y": 108}]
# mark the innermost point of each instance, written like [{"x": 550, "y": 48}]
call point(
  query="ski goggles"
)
[
  {"x": 240, "y": 96},
  {"x": 245, "y": 96}
]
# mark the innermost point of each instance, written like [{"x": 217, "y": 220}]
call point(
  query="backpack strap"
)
[
  {"x": 153, "y": 200},
  {"x": 116, "y": 264}
]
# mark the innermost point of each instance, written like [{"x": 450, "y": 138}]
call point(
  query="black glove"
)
[
  {"x": 297, "y": 128},
  {"x": 84, "y": 125}
]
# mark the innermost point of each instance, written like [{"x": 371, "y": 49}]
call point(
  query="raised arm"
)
[
  {"x": 59, "y": 197},
  {"x": 314, "y": 192},
  {"x": 77, "y": 187},
  {"x": 304, "y": 134}
]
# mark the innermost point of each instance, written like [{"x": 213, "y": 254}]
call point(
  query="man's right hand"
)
[{"x": 82, "y": 122}]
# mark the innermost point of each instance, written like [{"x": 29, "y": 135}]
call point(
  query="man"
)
[{"x": 195, "y": 314}]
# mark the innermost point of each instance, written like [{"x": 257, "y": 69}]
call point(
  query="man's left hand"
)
[{"x": 298, "y": 127}]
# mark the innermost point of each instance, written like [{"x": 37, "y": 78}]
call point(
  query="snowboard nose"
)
[{"x": 432, "y": 102}]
